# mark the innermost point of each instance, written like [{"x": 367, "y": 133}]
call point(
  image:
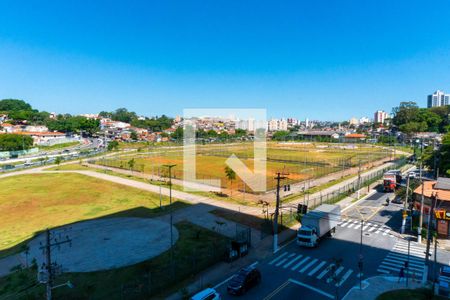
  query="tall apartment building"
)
[
  {"x": 380, "y": 116},
  {"x": 438, "y": 98},
  {"x": 277, "y": 125}
]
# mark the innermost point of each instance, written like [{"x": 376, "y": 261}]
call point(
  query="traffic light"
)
[
  {"x": 360, "y": 265},
  {"x": 302, "y": 209}
]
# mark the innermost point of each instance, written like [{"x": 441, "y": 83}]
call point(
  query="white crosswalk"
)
[
  {"x": 310, "y": 266},
  {"x": 396, "y": 259},
  {"x": 367, "y": 227}
]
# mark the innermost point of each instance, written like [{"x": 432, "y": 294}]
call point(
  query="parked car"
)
[
  {"x": 243, "y": 281},
  {"x": 208, "y": 294},
  {"x": 412, "y": 175}
]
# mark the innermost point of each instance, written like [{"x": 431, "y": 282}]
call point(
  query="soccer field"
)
[{"x": 300, "y": 160}]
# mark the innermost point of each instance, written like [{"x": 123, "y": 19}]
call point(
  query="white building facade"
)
[{"x": 438, "y": 98}]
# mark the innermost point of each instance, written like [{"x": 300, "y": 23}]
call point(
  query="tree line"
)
[{"x": 409, "y": 118}]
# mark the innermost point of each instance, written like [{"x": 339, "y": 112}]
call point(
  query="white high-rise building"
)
[
  {"x": 438, "y": 99},
  {"x": 380, "y": 116}
]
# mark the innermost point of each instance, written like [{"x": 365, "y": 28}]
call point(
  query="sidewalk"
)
[{"x": 374, "y": 286}]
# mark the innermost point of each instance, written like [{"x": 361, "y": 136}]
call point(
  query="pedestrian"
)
[{"x": 401, "y": 275}]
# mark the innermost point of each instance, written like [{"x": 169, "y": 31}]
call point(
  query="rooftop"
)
[{"x": 440, "y": 188}]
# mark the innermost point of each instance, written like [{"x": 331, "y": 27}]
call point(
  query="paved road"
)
[{"x": 295, "y": 272}]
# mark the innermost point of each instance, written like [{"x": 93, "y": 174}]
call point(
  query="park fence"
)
[{"x": 352, "y": 187}]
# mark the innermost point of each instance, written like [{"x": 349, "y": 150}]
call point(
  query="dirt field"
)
[{"x": 301, "y": 160}]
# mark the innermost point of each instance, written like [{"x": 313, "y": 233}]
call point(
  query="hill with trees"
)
[{"x": 409, "y": 118}]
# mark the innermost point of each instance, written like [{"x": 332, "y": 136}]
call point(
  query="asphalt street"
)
[{"x": 369, "y": 231}]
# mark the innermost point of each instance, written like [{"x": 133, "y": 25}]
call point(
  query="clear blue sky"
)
[{"x": 329, "y": 59}]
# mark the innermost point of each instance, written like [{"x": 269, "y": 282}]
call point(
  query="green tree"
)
[
  {"x": 413, "y": 127},
  {"x": 58, "y": 160},
  {"x": 131, "y": 164},
  {"x": 14, "y": 142},
  {"x": 405, "y": 113},
  {"x": 440, "y": 156},
  {"x": 178, "y": 134},
  {"x": 231, "y": 175},
  {"x": 133, "y": 135},
  {"x": 280, "y": 135},
  {"x": 113, "y": 145},
  {"x": 14, "y": 105}
]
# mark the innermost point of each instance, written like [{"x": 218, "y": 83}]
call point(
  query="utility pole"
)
[
  {"x": 278, "y": 178},
  {"x": 359, "y": 177},
  {"x": 171, "y": 217},
  {"x": 360, "y": 262},
  {"x": 435, "y": 263},
  {"x": 429, "y": 236},
  {"x": 48, "y": 261},
  {"x": 419, "y": 228},
  {"x": 405, "y": 214}
]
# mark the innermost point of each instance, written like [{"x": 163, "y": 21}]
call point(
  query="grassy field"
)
[
  {"x": 58, "y": 146},
  {"x": 301, "y": 160},
  {"x": 196, "y": 249},
  {"x": 31, "y": 203}
]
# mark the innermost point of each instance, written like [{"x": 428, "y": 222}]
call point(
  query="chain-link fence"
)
[{"x": 351, "y": 187}]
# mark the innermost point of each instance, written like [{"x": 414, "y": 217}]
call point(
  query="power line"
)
[{"x": 51, "y": 269}]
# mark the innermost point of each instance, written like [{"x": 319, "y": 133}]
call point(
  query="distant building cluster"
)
[{"x": 39, "y": 133}]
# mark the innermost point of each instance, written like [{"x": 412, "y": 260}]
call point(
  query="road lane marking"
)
[
  {"x": 345, "y": 223},
  {"x": 396, "y": 264},
  {"x": 386, "y": 231},
  {"x": 277, "y": 290},
  {"x": 397, "y": 270},
  {"x": 316, "y": 268},
  {"x": 292, "y": 261},
  {"x": 339, "y": 270},
  {"x": 308, "y": 265},
  {"x": 416, "y": 262},
  {"x": 277, "y": 258},
  {"x": 300, "y": 263},
  {"x": 372, "y": 228},
  {"x": 284, "y": 260},
  {"x": 312, "y": 288},
  {"x": 351, "y": 225},
  {"x": 324, "y": 272},
  {"x": 403, "y": 257},
  {"x": 345, "y": 277}
]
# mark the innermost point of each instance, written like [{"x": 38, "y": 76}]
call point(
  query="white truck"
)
[{"x": 318, "y": 223}]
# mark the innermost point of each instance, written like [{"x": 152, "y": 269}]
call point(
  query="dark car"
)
[{"x": 243, "y": 281}]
